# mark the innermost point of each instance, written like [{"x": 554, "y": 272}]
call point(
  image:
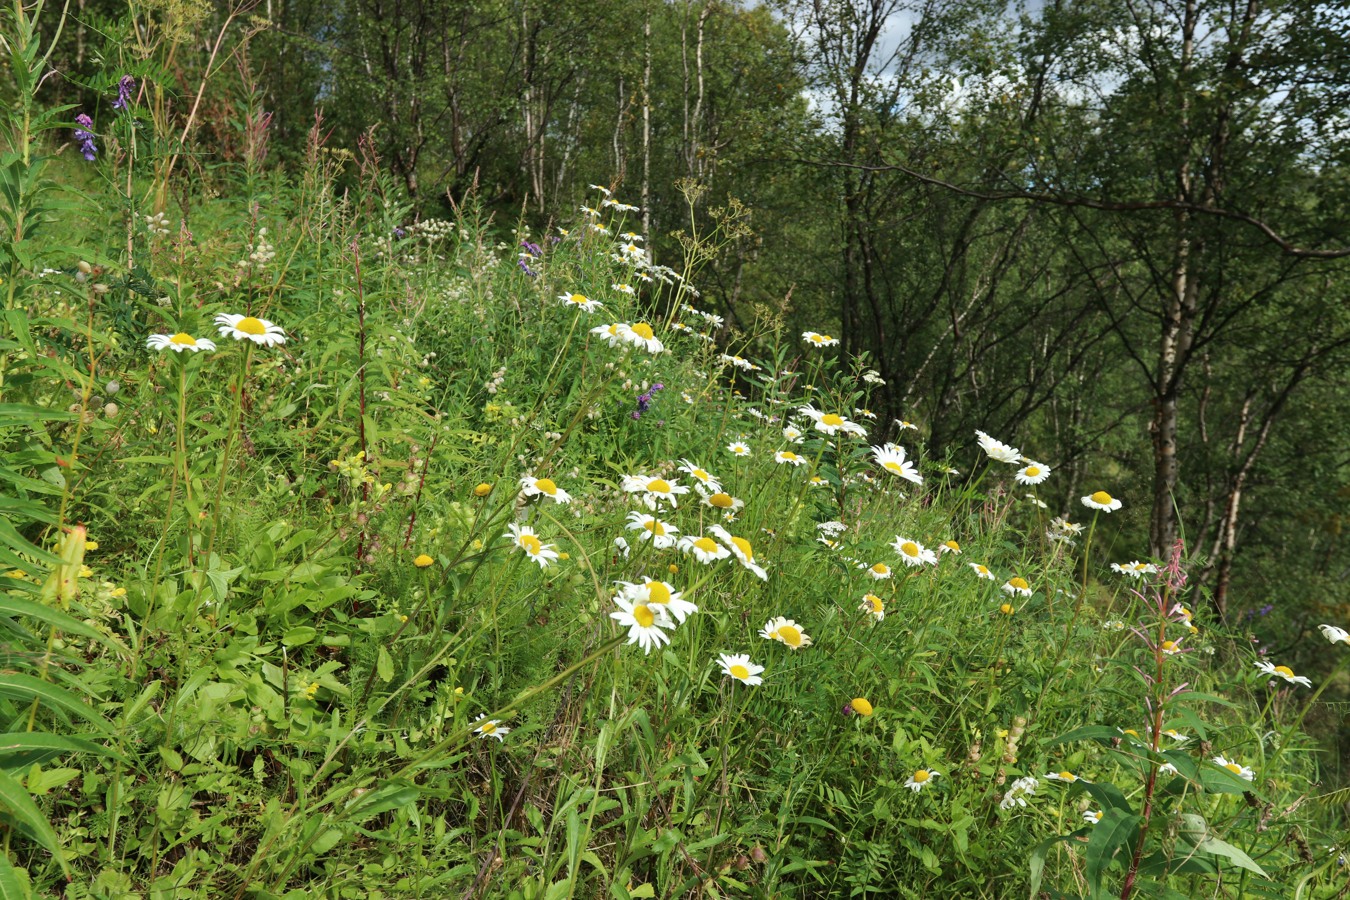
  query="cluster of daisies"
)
[{"x": 241, "y": 328}]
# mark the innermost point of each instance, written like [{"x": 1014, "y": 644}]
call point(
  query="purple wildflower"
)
[
  {"x": 532, "y": 249},
  {"x": 86, "y": 138},
  {"x": 399, "y": 233},
  {"x": 125, "y": 86},
  {"x": 526, "y": 269}
]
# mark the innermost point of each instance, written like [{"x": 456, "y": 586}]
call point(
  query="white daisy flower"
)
[
  {"x": 739, "y": 667},
  {"x": 581, "y": 302},
  {"x": 787, "y": 456},
  {"x": 659, "y": 594},
  {"x": 1103, "y": 501},
  {"x": 641, "y": 334},
  {"x": 982, "y": 571},
  {"x": 891, "y": 457},
  {"x": 1334, "y": 634},
  {"x": 736, "y": 448},
  {"x": 178, "y": 342},
  {"x": 654, "y": 490},
  {"x": 832, "y": 423},
  {"x": 650, "y": 528},
  {"x": 525, "y": 540},
  {"x": 873, "y": 605},
  {"x": 704, "y": 481},
  {"x": 543, "y": 487},
  {"x": 1283, "y": 672},
  {"x": 1032, "y": 473},
  {"x": 646, "y": 626},
  {"x": 997, "y": 450},
  {"x": 491, "y": 728},
  {"x": 878, "y": 571},
  {"x": 614, "y": 334},
  {"x": 921, "y": 779},
  {"x": 1016, "y": 586},
  {"x": 703, "y": 549},
  {"x": 912, "y": 553},
  {"x": 819, "y": 340},
  {"x": 1236, "y": 768},
  {"x": 742, "y": 550},
  {"x": 785, "y": 631},
  {"x": 250, "y": 328}
]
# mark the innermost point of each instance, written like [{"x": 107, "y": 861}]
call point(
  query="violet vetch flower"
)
[
  {"x": 399, "y": 233},
  {"x": 532, "y": 249},
  {"x": 125, "y": 87},
  {"x": 644, "y": 401},
  {"x": 85, "y": 138},
  {"x": 526, "y": 269}
]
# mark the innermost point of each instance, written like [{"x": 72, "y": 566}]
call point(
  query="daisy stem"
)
[
  {"x": 1073, "y": 620},
  {"x": 229, "y": 445},
  {"x": 182, "y": 452}
]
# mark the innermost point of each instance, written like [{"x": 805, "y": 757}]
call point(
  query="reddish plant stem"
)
[{"x": 421, "y": 482}]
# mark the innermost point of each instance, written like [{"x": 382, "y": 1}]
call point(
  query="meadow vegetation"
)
[{"x": 352, "y": 553}]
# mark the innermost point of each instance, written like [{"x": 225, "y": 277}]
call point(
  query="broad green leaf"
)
[
  {"x": 1227, "y": 851},
  {"x": 1106, "y": 837},
  {"x": 14, "y": 798},
  {"x": 11, "y": 886},
  {"x": 26, "y": 687},
  {"x": 17, "y": 606}
]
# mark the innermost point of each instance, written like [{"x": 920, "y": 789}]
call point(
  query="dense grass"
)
[{"x": 302, "y": 595}]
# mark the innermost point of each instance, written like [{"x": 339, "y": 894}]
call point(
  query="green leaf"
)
[
  {"x": 384, "y": 665},
  {"x": 23, "y": 749},
  {"x": 394, "y": 795},
  {"x": 16, "y": 606},
  {"x": 303, "y": 634},
  {"x": 1036, "y": 867},
  {"x": 26, "y": 687},
  {"x": 11, "y": 886},
  {"x": 1114, "y": 830},
  {"x": 15, "y": 799},
  {"x": 1227, "y": 851}
]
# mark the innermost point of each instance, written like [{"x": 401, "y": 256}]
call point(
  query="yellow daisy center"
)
[
  {"x": 1233, "y": 767},
  {"x": 1068, "y": 776},
  {"x": 881, "y": 568},
  {"x": 658, "y": 486},
  {"x": 487, "y": 728},
  {"x": 250, "y": 325},
  {"x": 1169, "y": 645},
  {"x": 655, "y": 527},
  {"x": 1102, "y": 497},
  {"x": 706, "y": 544},
  {"x": 861, "y": 706},
  {"x": 701, "y": 475},
  {"x": 183, "y": 339},
  {"x": 789, "y": 635},
  {"x": 643, "y": 615},
  {"x": 922, "y": 775},
  {"x": 891, "y": 466},
  {"x": 721, "y": 501},
  {"x": 422, "y": 561},
  {"x": 744, "y": 546},
  {"x": 740, "y": 671},
  {"x": 657, "y": 593},
  {"x": 1019, "y": 583},
  {"x": 875, "y": 602},
  {"x": 909, "y": 548},
  {"x": 1285, "y": 671},
  {"x": 1032, "y": 472},
  {"x": 531, "y": 544},
  {"x": 952, "y": 545},
  {"x": 832, "y": 420},
  {"x": 547, "y": 486},
  {"x": 577, "y": 298},
  {"x": 644, "y": 331},
  {"x": 788, "y": 454},
  {"x": 982, "y": 570},
  {"x": 1006, "y": 609}
]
